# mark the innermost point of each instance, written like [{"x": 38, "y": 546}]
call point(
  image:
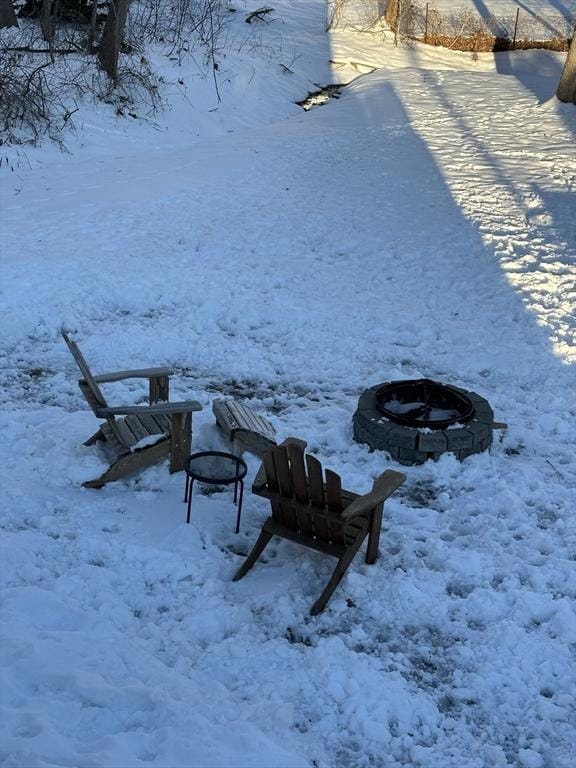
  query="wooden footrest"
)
[{"x": 246, "y": 429}]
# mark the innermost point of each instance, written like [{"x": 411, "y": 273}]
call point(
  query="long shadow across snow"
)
[
  {"x": 365, "y": 265},
  {"x": 443, "y": 294},
  {"x": 538, "y": 71}
]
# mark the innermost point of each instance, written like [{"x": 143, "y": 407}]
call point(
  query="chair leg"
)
[
  {"x": 341, "y": 568},
  {"x": 180, "y": 440},
  {"x": 257, "y": 550},
  {"x": 374, "y": 535},
  {"x": 128, "y": 463}
]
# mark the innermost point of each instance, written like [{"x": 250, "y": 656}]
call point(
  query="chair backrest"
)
[
  {"x": 90, "y": 389},
  {"x": 308, "y": 504}
]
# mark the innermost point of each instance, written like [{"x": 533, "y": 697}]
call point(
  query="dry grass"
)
[{"x": 486, "y": 43}]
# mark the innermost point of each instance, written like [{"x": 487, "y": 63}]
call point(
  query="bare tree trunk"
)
[
  {"x": 48, "y": 16},
  {"x": 46, "y": 20},
  {"x": 7, "y": 14},
  {"x": 567, "y": 87},
  {"x": 93, "y": 20},
  {"x": 112, "y": 37}
]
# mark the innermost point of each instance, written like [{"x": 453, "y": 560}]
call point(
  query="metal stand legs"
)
[
  {"x": 238, "y": 498},
  {"x": 188, "y": 495},
  {"x": 241, "y": 482}
]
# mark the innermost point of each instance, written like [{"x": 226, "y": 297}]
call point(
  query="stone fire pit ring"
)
[{"x": 414, "y": 445}]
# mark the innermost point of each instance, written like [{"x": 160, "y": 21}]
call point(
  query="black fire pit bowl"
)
[
  {"x": 423, "y": 403},
  {"x": 420, "y": 419}
]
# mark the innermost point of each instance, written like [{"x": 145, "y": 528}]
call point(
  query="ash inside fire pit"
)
[{"x": 420, "y": 419}]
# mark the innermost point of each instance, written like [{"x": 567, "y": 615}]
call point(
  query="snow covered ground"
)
[{"x": 421, "y": 225}]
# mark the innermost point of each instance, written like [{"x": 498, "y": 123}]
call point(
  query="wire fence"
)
[{"x": 462, "y": 28}]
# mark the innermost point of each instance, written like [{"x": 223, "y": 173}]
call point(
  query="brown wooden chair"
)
[
  {"x": 131, "y": 440},
  {"x": 316, "y": 513}
]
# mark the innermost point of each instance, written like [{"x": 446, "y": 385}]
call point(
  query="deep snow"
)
[{"x": 422, "y": 225}]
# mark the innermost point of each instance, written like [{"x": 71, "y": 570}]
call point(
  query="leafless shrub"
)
[
  {"x": 32, "y": 103},
  {"x": 39, "y": 98},
  {"x": 181, "y": 24},
  {"x": 363, "y": 17},
  {"x": 43, "y": 78},
  {"x": 136, "y": 89}
]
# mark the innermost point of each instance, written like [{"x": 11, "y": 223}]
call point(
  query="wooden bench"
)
[{"x": 244, "y": 428}]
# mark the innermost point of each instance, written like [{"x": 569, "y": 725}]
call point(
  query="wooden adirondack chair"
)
[
  {"x": 320, "y": 515},
  {"x": 170, "y": 422}
]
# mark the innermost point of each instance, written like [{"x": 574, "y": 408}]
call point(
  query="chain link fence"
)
[{"x": 462, "y": 28}]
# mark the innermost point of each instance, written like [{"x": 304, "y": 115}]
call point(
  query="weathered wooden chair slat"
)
[
  {"x": 93, "y": 400},
  {"x": 152, "y": 424},
  {"x": 298, "y": 472},
  {"x": 137, "y": 428},
  {"x": 283, "y": 471},
  {"x": 271, "y": 475},
  {"x": 170, "y": 422},
  {"x": 109, "y": 437},
  {"x": 126, "y": 436},
  {"x": 316, "y": 513},
  {"x": 315, "y": 481}
]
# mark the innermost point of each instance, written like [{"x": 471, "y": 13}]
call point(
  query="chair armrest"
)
[
  {"x": 139, "y": 373},
  {"x": 383, "y": 487},
  {"x": 153, "y": 410}
]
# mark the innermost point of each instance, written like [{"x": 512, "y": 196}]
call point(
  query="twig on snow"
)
[
  {"x": 258, "y": 15},
  {"x": 555, "y": 469}
]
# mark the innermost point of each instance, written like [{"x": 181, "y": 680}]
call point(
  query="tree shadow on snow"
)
[
  {"x": 560, "y": 206},
  {"x": 539, "y": 71},
  {"x": 433, "y": 261}
]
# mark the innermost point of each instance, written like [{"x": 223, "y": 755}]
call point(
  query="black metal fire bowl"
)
[{"x": 419, "y": 419}]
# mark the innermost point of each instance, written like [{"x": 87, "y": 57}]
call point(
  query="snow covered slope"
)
[{"x": 422, "y": 225}]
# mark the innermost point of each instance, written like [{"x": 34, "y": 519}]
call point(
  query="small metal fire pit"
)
[
  {"x": 420, "y": 419},
  {"x": 423, "y": 403}
]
